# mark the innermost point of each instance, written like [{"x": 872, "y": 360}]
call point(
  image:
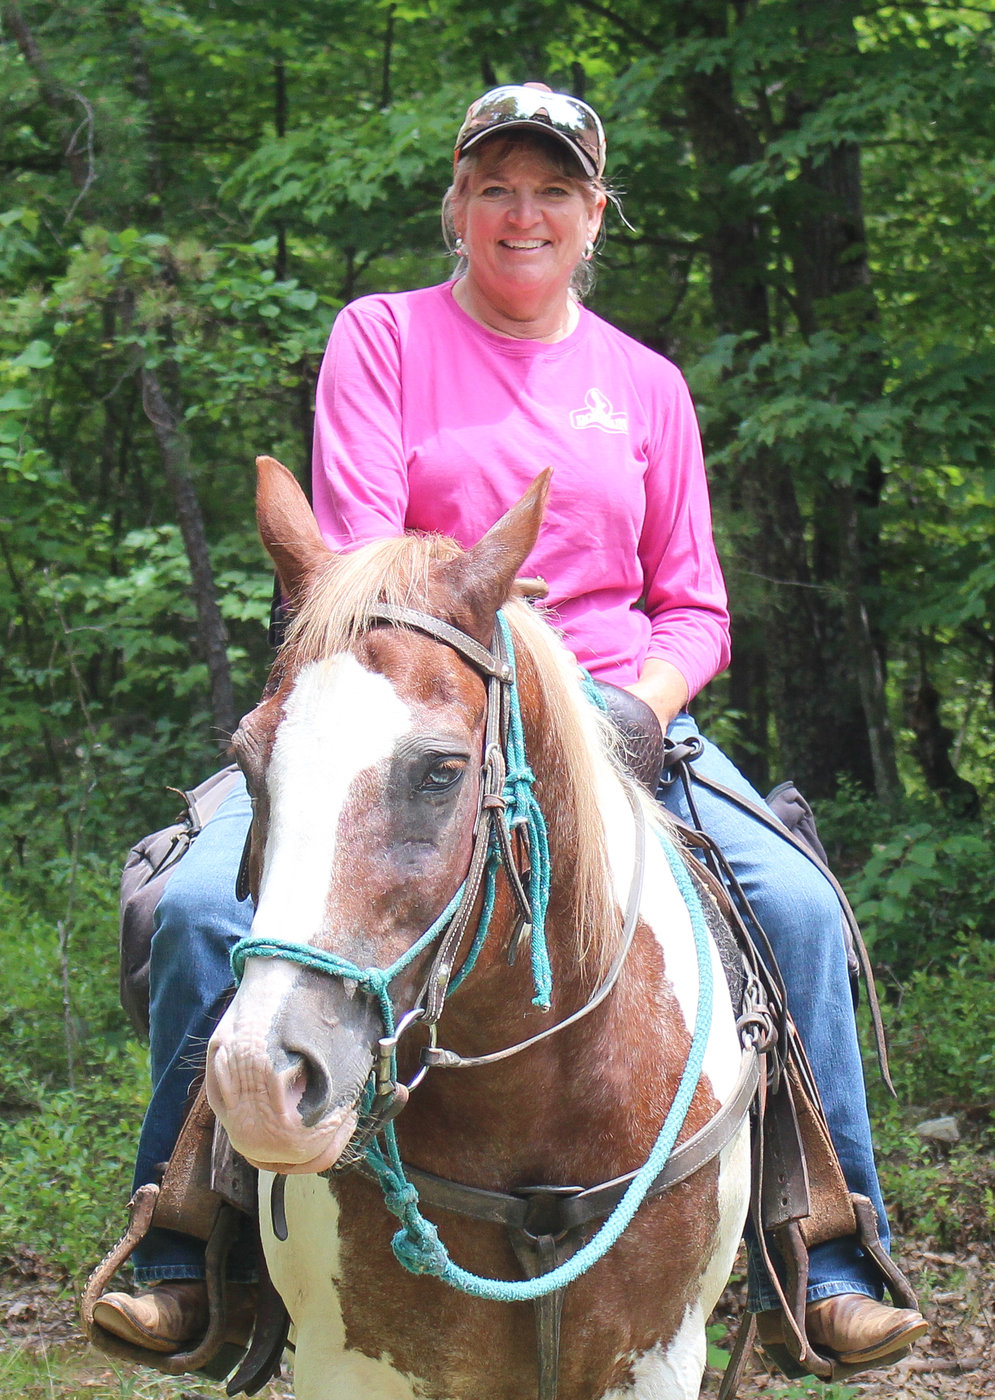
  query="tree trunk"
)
[
  {"x": 833, "y": 290},
  {"x": 793, "y": 638},
  {"x": 933, "y": 741},
  {"x": 73, "y": 108},
  {"x": 865, "y": 655},
  {"x": 174, "y": 451}
]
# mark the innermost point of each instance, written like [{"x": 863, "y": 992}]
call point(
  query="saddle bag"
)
[{"x": 150, "y": 863}]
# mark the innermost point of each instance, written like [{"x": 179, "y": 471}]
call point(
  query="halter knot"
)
[
  {"x": 417, "y": 1246},
  {"x": 399, "y": 1200},
  {"x": 421, "y": 1254}
]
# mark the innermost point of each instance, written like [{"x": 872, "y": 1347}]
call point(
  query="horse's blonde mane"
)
[{"x": 576, "y": 741}]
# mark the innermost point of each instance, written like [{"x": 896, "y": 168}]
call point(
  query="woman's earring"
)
[
  {"x": 460, "y": 247},
  {"x": 588, "y": 251}
]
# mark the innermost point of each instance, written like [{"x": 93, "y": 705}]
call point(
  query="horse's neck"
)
[
  {"x": 519, "y": 1117},
  {"x": 498, "y": 1125}
]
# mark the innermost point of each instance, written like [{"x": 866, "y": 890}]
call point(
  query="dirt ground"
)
[{"x": 956, "y": 1362}]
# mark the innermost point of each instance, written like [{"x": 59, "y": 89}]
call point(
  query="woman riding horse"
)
[{"x": 435, "y": 408}]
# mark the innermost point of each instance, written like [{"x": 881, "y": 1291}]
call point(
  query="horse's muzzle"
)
[{"x": 287, "y": 1064}]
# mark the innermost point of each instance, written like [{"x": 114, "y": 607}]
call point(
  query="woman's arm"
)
[
  {"x": 359, "y": 473},
  {"x": 663, "y": 688},
  {"x": 684, "y": 592}
]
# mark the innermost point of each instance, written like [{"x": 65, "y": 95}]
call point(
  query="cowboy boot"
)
[
  {"x": 173, "y": 1314},
  {"x": 856, "y": 1331}
]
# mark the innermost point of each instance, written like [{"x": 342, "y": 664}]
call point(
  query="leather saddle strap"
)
[
  {"x": 579, "y": 1206},
  {"x": 791, "y": 1299},
  {"x": 762, "y": 814},
  {"x": 538, "y": 1254}
]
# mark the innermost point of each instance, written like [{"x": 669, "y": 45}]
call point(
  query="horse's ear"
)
[
  {"x": 287, "y": 527},
  {"x": 483, "y": 578}
]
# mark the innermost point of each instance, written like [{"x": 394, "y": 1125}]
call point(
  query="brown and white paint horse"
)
[{"x": 363, "y": 759}]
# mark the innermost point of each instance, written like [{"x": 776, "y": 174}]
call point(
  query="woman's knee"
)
[{"x": 197, "y": 921}]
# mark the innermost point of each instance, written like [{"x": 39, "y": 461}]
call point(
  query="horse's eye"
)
[{"x": 442, "y": 774}]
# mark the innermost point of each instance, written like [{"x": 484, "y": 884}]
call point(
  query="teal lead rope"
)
[
  {"x": 417, "y": 1245},
  {"x": 524, "y": 810}
]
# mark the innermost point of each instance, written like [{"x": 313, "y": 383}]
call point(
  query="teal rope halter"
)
[{"x": 417, "y": 1245}]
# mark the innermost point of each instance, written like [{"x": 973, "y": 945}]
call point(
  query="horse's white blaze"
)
[
  {"x": 306, "y": 1269},
  {"x": 339, "y": 720}
]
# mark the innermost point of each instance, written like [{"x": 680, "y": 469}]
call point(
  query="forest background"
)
[{"x": 190, "y": 191}]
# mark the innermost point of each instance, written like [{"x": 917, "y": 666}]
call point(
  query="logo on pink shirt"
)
[{"x": 599, "y": 413}]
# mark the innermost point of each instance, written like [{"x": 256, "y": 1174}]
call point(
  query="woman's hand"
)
[{"x": 663, "y": 688}]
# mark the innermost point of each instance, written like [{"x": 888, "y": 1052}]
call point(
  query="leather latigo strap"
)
[{"x": 685, "y": 764}]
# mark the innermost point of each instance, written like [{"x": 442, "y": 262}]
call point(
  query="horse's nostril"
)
[{"x": 312, "y": 1088}]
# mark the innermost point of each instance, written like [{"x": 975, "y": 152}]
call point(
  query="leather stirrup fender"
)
[
  {"x": 207, "y": 1190},
  {"x": 778, "y": 1211}
]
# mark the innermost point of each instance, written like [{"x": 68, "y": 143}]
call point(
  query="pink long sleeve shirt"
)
[{"x": 427, "y": 421}]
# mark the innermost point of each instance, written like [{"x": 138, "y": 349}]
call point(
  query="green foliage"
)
[
  {"x": 72, "y": 1080},
  {"x": 940, "y": 1030},
  {"x": 63, "y": 1373},
  {"x": 944, "y": 1194},
  {"x": 805, "y": 396},
  {"x": 65, "y": 1167},
  {"x": 925, "y": 887}
]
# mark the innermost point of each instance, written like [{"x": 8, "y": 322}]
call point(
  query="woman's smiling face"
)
[{"x": 524, "y": 226}]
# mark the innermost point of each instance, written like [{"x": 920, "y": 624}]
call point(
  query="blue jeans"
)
[{"x": 198, "y": 920}]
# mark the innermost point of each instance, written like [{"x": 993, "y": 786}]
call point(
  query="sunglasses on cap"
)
[{"x": 556, "y": 114}]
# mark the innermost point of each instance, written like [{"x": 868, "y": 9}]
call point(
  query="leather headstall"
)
[{"x": 498, "y": 674}]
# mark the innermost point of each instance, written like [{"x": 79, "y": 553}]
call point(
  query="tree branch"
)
[{"x": 78, "y": 150}]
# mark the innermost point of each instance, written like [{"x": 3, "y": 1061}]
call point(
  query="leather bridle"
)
[
  {"x": 497, "y": 671},
  {"x": 491, "y": 833}
]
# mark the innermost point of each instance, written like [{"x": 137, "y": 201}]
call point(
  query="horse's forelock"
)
[{"x": 345, "y": 592}]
